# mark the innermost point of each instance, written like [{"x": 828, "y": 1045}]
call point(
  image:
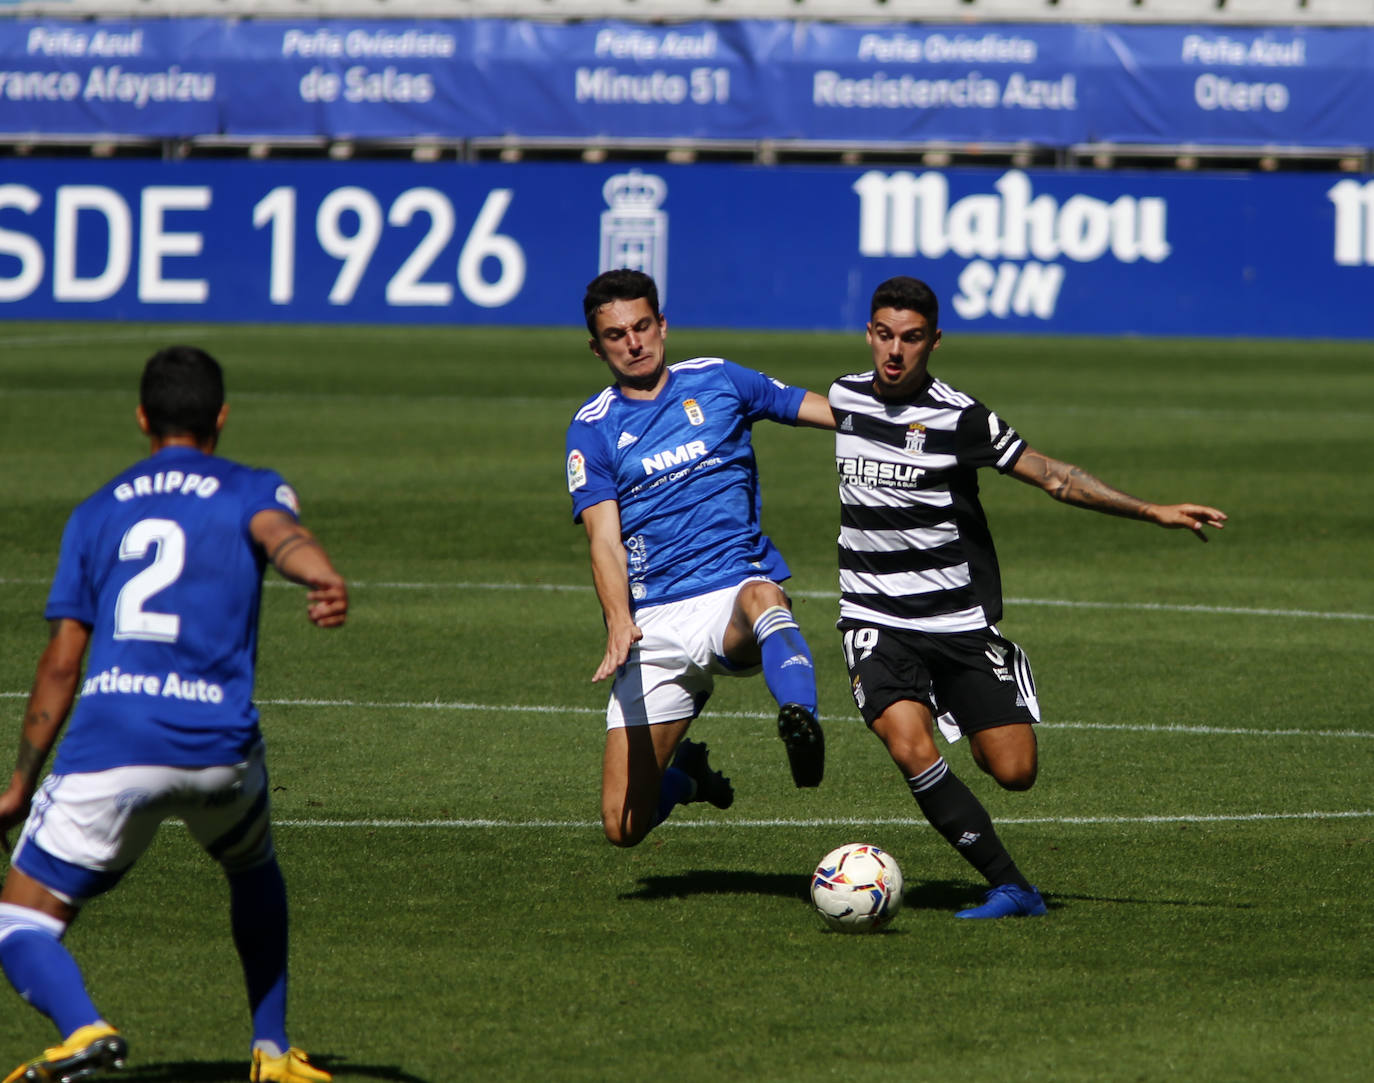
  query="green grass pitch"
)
[{"x": 1203, "y": 827}]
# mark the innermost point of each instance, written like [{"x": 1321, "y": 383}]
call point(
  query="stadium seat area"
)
[{"x": 1239, "y": 12}]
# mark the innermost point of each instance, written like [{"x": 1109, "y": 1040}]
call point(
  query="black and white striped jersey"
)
[{"x": 915, "y": 550}]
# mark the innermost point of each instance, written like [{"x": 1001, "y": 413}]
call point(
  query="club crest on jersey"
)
[
  {"x": 577, "y": 470},
  {"x": 915, "y": 438},
  {"x": 693, "y": 412}
]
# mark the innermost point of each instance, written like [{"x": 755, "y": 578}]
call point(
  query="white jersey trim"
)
[
  {"x": 1011, "y": 452},
  {"x": 597, "y": 408},
  {"x": 942, "y": 391},
  {"x": 696, "y": 363}
]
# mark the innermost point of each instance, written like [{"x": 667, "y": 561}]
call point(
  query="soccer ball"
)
[{"x": 857, "y": 888}]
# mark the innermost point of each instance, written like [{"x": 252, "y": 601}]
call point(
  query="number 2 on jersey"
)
[{"x": 132, "y": 621}]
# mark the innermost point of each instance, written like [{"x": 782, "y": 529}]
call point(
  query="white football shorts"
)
[
  {"x": 671, "y": 671},
  {"x": 86, "y": 830}
]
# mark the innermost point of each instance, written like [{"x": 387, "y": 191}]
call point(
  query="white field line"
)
[
  {"x": 564, "y": 710},
  {"x": 845, "y": 821},
  {"x": 1346, "y": 814},
  {"x": 830, "y": 595}
]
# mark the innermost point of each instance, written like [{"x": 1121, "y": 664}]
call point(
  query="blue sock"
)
[
  {"x": 42, "y": 970},
  {"x": 257, "y": 915},
  {"x": 787, "y": 666},
  {"x": 677, "y": 788}
]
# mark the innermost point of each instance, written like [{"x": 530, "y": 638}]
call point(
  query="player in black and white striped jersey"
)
[{"x": 920, "y": 590}]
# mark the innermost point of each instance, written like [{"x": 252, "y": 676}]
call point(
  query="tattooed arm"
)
[
  {"x": 1074, "y": 485},
  {"x": 50, "y": 701},
  {"x": 294, "y": 552}
]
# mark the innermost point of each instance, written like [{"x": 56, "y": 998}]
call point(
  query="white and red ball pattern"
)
[{"x": 857, "y": 888}]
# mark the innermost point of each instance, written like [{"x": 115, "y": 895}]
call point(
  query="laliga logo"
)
[{"x": 905, "y": 214}]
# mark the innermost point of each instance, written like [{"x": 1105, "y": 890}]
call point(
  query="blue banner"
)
[
  {"x": 1271, "y": 255},
  {"x": 1003, "y": 84},
  {"x": 1047, "y": 84},
  {"x": 1249, "y": 86}
]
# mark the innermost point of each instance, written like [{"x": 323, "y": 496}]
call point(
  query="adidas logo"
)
[
  {"x": 847, "y": 425},
  {"x": 626, "y": 439},
  {"x": 797, "y": 660},
  {"x": 968, "y": 838}
]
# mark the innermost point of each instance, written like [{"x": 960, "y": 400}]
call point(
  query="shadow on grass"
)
[
  {"x": 944, "y": 895},
  {"x": 720, "y": 882},
  {"x": 927, "y": 895},
  {"x": 236, "y": 1071},
  {"x": 1202, "y": 903}
]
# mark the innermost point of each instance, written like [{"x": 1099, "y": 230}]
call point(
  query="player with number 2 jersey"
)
[
  {"x": 157, "y": 590},
  {"x": 160, "y": 564}
]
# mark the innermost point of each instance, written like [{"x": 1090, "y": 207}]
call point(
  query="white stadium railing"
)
[{"x": 1238, "y": 12}]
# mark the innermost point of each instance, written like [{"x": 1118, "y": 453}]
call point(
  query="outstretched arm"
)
[
  {"x": 50, "y": 701},
  {"x": 815, "y": 412},
  {"x": 1074, "y": 485},
  {"x": 612, "y": 581},
  {"x": 295, "y": 553}
]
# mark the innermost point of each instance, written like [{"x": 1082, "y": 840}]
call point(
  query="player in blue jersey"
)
[
  {"x": 159, "y": 578},
  {"x": 663, "y": 478}
]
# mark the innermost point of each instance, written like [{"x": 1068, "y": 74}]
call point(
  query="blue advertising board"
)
[
  {"x": 1048, "y": 84},
  {"x": 732, "y": 246}
]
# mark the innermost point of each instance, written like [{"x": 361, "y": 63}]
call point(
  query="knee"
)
[
  {"x": 621, "y": 831},
  {"x": 1008, "y": 754},
  {"x": 618, "y": 836},
  {"x": 1018, "y": 782},
  {"x": 759, "y": 594},
  {"x": 1013, "y": 776}
]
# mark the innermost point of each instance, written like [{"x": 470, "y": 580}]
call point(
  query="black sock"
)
[{"x": 953, "y": 811}]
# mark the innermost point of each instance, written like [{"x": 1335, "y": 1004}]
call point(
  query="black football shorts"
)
[{"x": 969, "y": 680}]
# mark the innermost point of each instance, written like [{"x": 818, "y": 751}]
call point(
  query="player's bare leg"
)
[
  {"x": 632, "y": 777},
  {"x": 754, "y": 597},
  {"x": 908, "y": 730},
  {"x": 1008, "y": 754},
  {"x": 23, "y": 890}
]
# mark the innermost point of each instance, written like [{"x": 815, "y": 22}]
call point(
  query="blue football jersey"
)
[
  {"x": 681, "y": 466},
  {"x": 160, "y": 565}
]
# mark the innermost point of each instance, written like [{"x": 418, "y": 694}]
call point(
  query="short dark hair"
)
[
  {"x": 909, "y": 294},
  {"x": 619, "y": 285},
  {"x": 182, "y": 393}
]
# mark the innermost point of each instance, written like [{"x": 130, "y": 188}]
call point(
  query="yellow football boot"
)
[
  {"x": 293, "y": 1066},
  {"x": 84, "y": 1055}
]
